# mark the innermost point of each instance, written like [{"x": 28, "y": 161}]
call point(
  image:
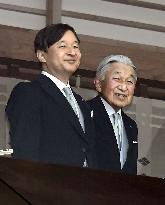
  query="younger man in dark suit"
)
[
  {"x": 116, "y": 133},
  {"x": 47, "y": 124}
]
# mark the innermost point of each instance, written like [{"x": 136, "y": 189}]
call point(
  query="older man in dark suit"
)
[
  {"x": 116, "y": 133},
  {"x": 49, "y": 122}
]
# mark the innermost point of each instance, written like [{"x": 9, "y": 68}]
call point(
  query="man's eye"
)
[
  {"x": 116, "y": 78},
  {"x": 131, "y": 82},
  {"x": 62, "y": 46},
  {"x": 76, "y": 46}
]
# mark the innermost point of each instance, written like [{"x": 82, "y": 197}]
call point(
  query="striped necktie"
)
[{"x": 69, "y": 97}]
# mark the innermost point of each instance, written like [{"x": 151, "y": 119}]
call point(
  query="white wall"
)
[
  {"x": 93, "y": 28},
  {"x": 116, "y": 32},
  {"x": 23, "y": 20},
  {"x": 117, "y": 11},
  {"x": 20, "y": 19},
  {"x": 38, "y": 4},
  {"x": 157, "y": 1}
]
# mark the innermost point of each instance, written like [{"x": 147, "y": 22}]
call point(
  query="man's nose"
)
[
  {"x": 71, "y": 51},
  {"x": 123, "y": 86}
]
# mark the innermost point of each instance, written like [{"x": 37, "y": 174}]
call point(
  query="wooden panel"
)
[
  {"x": 148, "y": 59},
  {"x": 51, "y": 184},
  {"x": 17, "y": 43},
  {"x": 9, "y": 196}
]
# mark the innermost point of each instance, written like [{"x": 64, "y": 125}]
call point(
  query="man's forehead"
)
[{"x": 126, "y": 70}]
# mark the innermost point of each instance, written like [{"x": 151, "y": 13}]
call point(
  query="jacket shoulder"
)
[
  {"x": 93, "y": 101},
  {"x": 27, "y": 85},
  {"x": 23, "y": 93},
  {"x": 129, "y": 119},
  {"x": 132, "y": 123}
]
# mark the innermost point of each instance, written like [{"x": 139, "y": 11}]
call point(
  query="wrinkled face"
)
[
  {"x": 118, "y": 86},
  {"x": 62, "y": 58}
]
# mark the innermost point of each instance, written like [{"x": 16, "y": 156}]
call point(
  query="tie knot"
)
[
  {"x": 67, "y": 91},
  {"x": 117, "y": 118}
]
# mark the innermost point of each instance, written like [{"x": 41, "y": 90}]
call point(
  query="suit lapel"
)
[
  {"x": 107, "y": 127},
  {"x": 61, "y": 102},
  {"x": 128, "y": 127},
  {"x": 85, "y": 111}
]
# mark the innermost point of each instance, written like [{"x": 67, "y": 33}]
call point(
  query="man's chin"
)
[
  {"x": 121, "y": 105},
  {"x": 71, "y": 69}
]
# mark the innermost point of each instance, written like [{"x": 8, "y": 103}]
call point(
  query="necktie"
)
[
  {"x": 72, "y": 101},
  {"x": 69, "y": 97},
  {"x": 118, "y": 129},
  {"x": 121, "y": 138}
]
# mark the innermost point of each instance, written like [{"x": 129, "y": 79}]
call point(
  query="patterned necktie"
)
[
  {"x": 69, "y": 97},
  {"x": 71, "y": 100},
  {"x": 121, "y": 138},
  {"x": 118, "y": 129}
]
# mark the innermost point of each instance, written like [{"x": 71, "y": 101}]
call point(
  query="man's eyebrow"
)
[
  {"x": 63, "y": 41},
  {"x": 133, "y": 76},
  {"x": 76, "y": 41},
  {"x": 117, "y": 72}
]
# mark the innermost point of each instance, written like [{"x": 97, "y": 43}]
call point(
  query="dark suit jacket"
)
[
  {"x": 44, "y": 127},
  {"x": 106, "y": 147}
]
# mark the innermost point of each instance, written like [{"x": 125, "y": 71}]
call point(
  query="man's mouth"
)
[
  {"x": 121, "y": 95},
  {"x": 71, "y": 60}
]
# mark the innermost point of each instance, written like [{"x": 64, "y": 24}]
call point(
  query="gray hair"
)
[{"x": 106, "y": 63}]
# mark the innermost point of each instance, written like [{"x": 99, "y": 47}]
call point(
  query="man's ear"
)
[
  {"x": 98, "y": 85},
  {"x": 41, "y": 56}
]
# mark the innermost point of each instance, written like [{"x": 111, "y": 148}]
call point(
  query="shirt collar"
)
[
  {"x": 109, "y": 108},
  {"x": 58, "y": 82}
]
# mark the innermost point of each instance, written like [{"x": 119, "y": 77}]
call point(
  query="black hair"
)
[{"x": 50, "y": 35}]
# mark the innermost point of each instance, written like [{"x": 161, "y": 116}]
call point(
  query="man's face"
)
[
  {"x": 118, "y": 86},
  {"x": 63, "y": 57}
]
